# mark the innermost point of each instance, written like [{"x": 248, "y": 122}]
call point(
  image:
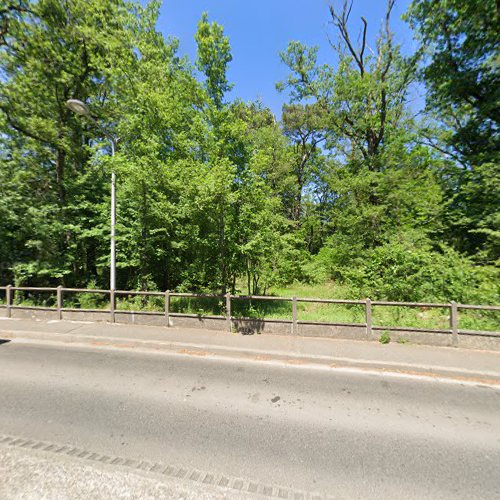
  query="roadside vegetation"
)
[
  {"x": 424, "y": 317},
  {"x": 350, "y": 193}
]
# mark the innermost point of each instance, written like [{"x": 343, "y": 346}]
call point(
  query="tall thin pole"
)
[
  {"x": 112, "y": 274},
  {"x": 80, "y": 108}
]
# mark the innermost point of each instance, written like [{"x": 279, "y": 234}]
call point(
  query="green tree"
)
[
  {"x": 214, "y": 55},
  {"x": 51, "y": 51},
  {"x": 379, "y": 184},
  {"x": 461, "y": 67},
  {"x": 460, "y": 47},
  {"x": 304, "y": 125},
  {"x": 363, "y": 97}
]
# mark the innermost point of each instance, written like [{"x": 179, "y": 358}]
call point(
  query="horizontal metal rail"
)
[
  {"x": 261, "y": 297},
  {"x": 231, "y": 319},
  {"x": 409, "y": 329},
  {"x": 261, "y": 320},
  {"x": 193, "y": 315},
  {"x": 408, "y": 304},
  {"x": 480, "y": 333},
  {"x": 33, "y": 289},
  {"x": 34, "y": 308},
  {"x": 197, "y": 295},
  {"x": 138, "y": 313},
  {"x": 152, "y": 294},
  {"x": 480, "y": 308},
  {"x": 329, "y": 323},
  {"x": 332, "y": 301},
  {"x": 76, "y": 309}
]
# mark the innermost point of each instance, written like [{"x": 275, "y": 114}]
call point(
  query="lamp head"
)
[{"x": 78, "y": 107}]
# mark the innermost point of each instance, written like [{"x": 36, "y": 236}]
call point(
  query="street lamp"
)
[{"x": 80, "y": 108}]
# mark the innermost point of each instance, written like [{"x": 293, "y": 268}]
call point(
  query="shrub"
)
[
  {"x": 413, "y": 271},
  {"x": 385, "y": 338}
]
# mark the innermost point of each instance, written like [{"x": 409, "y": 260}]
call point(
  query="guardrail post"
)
[
  {"x": 59, "y": 302},
  {"x": 295, "y": 329},
  {"x": 167, "y": 307},
  {"x": 112, "y": 305},
  {"x": 228, "y": 312},
  {"x": 368, "y": 317},
  {"x": 454, "y": 323},
  {"x": 8, "y": 300}
]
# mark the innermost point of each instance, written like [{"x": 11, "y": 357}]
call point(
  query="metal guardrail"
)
[{"x": 228, "y": 298}]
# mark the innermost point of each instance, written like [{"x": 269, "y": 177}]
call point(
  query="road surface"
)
[{"x": 346, "y": 435}]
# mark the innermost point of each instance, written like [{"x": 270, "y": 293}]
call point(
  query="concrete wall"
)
[
  {"x": 32, "y": 314},
  {"x": 85, "y": 316},
  {"x": 335, "y": 332},
  {"x": 198, "y": 322},
  {"x": 260, "y": 326},
  {"x": 479, "y": 342},
  {"x": 140, "y": 319},
  {"x": 424, "y": 338},
  {"x": 257, "y": 326}
]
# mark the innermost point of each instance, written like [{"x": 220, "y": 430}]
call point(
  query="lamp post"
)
[{"x": 80, "y": 108}]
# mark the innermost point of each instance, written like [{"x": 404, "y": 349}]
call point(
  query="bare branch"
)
[
  {"x": 383, "y": 93},
  {"x": 442, "y": 150},
  {"x": 340, "y": 22},
  {"x": 388, "y": 34},
  {"x": 363, "y": 42}
]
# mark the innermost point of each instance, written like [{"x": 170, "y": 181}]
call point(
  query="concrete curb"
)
[{"x": 213, "y": 351}]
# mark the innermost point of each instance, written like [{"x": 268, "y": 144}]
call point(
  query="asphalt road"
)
[{"x": 349, "y": 435}]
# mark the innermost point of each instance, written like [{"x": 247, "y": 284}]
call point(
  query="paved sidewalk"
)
[
  {"x": 35, "y": 475},
  {"x": 478, "y": 366}
]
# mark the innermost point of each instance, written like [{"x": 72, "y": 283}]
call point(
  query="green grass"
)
[
  {"x": 208, "y": 306},
  {"x": 329, "y": 290},
  {"x": 139, "y": 303},
  {"x": 427, "y": 318},
  {"x": 32, "y": 299},
  {"x": 479, "y": 320},
  {"x": 310, "y": 311},
  {"x": 83, "y": 300},
  {"x": 258, "y": 309}
]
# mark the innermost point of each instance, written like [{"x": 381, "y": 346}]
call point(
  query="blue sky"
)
[{"x": 259, "y": 29}]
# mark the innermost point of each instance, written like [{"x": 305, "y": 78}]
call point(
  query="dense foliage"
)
[{"x": 219, "y": 195}]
